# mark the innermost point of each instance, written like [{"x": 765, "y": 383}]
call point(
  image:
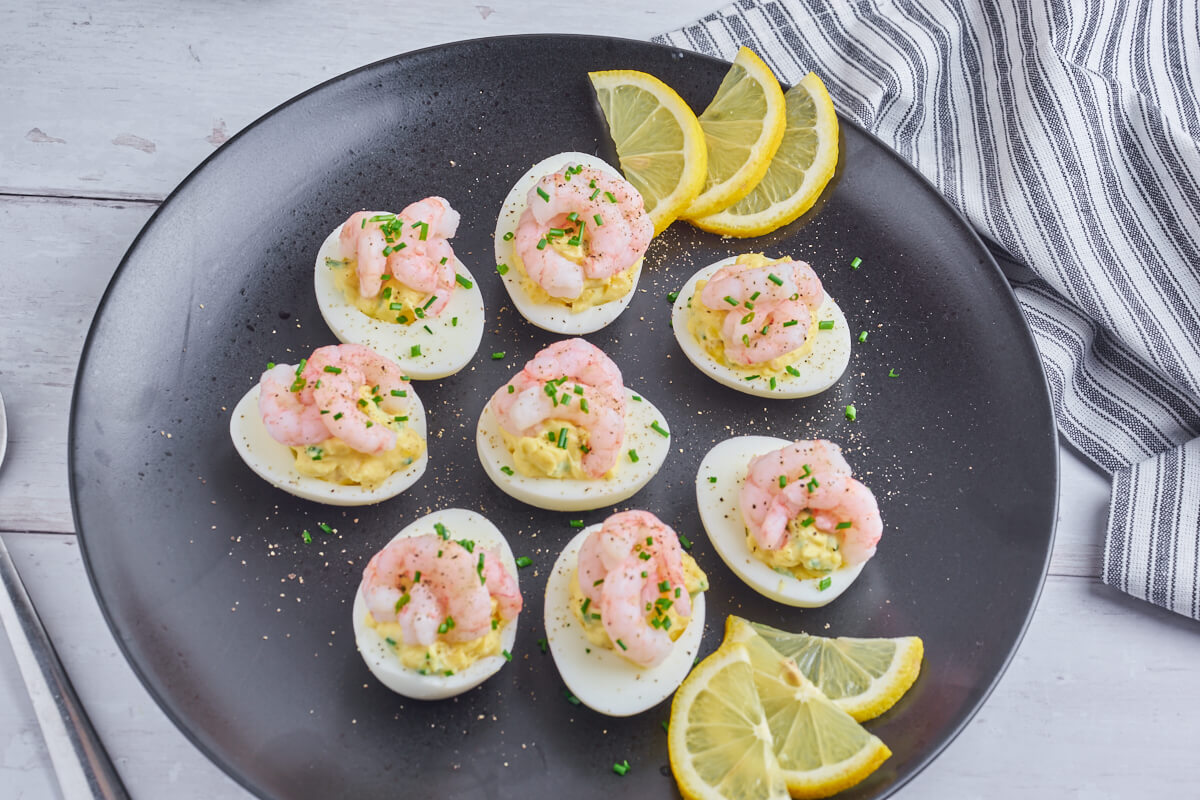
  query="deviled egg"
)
[
  {"x": 624, "y": 613},
  {"x": 787, "y": 517},
  {"x": 342, "y": 427},
  {"x": 436, "y": 612},
  {"x": 565, "y": 433},
  {"x": 569, "y": 243},
  {"x": 393, "y": 283},
  {"x": 764, "y": 327}
]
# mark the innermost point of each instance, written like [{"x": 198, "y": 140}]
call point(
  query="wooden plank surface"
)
[{"x": 105, "y": 107}]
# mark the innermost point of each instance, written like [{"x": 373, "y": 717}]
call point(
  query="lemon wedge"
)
[
  {"x": 743, "y": 126},
  {"x": 798, "y": 172},
  {"x": 659, "y": 141},
  {"x": 821, "y": 750},
  {"x": 864, "y": 677},
  {"x": 718, "y": 737}
]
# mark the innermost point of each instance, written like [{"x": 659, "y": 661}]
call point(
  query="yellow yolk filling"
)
[
  {"x": 704, "y": 324},
  {"x": 596, "y": 291},
  {"x": 661, "y": 614},
  {"x": 442, "y": 655},
  {"x": 807, "y": 553},
  {"x": 394, "y": 303},
  {"x": 556, "y": 451},
  {"x": 337, "y": 462}
]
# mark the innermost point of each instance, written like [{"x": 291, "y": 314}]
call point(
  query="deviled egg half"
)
[
  {"x": 343, "y": 427},
  {"x": 624, "y": 613},
  {"x": 787, "y": 517},
  {"x": 393, "y": 283},
  {"x": 569, "y": 243},
  {"x": 436, "y": 612},
  {"x": 565, "y": 433},
  {"x": 764, "y": 327}
]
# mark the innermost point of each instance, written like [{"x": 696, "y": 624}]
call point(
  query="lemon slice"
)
[
  {"x": 659, "y": 142},
  {"x": 820, "y": 748},
  {"x": 718, "y": 739},
  {"x": 743, "y": 126},
  {"x": 865, "y": 677},
  {"x": 802, "y": 166}
]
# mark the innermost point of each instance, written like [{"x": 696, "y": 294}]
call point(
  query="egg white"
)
[
  {"x": 721, "y": 512},
  {"x": 551, "y": 316},
  {"x": 601, "y": 679},
  {"x": 579, "y": 494},
  {"x": 444, "y": 352},
  {"x": 819, "y": 370},
  {"x": 379, "y": 656},
  {"x": 274, "y": 462}
]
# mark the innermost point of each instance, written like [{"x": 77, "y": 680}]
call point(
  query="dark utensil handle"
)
[{"x": 81, "y": 763}]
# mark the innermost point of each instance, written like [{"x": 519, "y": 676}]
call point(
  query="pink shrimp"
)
[
  {"x": 769, "y": 308},
  {"x": 816, "y": 480},
  {"x": 287, "y": 419},
  {"x": 333, "y": 377},
  {"x": 599, "y": 408},
  {"x": 611, "y": 224},
  {"x": 410, "y": 246},
  {"x": 633, "y": 562},
  {"x": 441, "y": 581}
]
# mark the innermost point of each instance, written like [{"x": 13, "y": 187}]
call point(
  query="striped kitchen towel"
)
[{"x": 1066, "y": 132}]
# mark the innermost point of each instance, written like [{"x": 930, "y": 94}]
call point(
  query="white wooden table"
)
[{"x": 105, "y": 107}]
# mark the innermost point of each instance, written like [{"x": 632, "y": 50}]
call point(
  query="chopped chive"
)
[
  {"x": 431, "y": 300},
  {"x": 572, "y": 699},
  {"x": 672, "y": 296},
  {"x": 427, "y": 329},
  {"x": 387, "y": 292},
  {"x": 841, "y": 526},
  {"x": 764, "y": 330},
  {"x": 623, "y": 767},
  {"x": 499, "y": 354},
  {"x": 772, "y": 381},
  {"x": 851, "y": 412},
  {"x": 782, "y": 481},
  {"x": 813, "y": 485},
  {"x": 583, "y": 609},
  {"x": 893, "y": 374},
  {"x": 511, "y": 388},
  {"x": 306, "y": 536},
  {"x": 825, "y": 325},
  {"x": 746, "y": 319},
  {"x": 573, "y": 216},
  {"x": 730, "y": 300},
  {"x": 862, "y": 337},
  {"x": 399, "y": 393},
  {"x": 441, "y": 530},
  {"x": 338, "y": 415},
  {"x": 623, "y": 647},
  {"x": 415, "y": 350},
  {"x": 543, "y": 644},
  {"x": 507, "y": 655},
  {"x": 324, "y": 527},
  {"x": 463, "y": 282},
  {"x": 400, "y": 419},
  {"x": 775, "y": 279},
  {"x": 748, "y": 305},
  {"x": 576, "y": 523},
  {"x": 856, "y": 263},
  {"x": 795, "y": 373},
  {"x": 334, "y": 370},
  {"x": 746, "y": 339},
  {"x": 824, "y": 584},
  {"x": 664, "y": 586},
  {"x": 659, "y": 428},
  {"x": 454, "y": 322},
  {"x": 712, "y": 478},
  {"x": 664, "y": 726},
  {"x": 524, "y": 561},
  {"x": 807, "y": 521},
  {"x": 402, "y": 319},
  {"x": 424, "y": 226},
  {"x": 555, "y": 232},
  {"x": 633, "y": 456},
  {"x": 541, "y": 245},
  {"x": 599, "y": 221},
  {"x": 508, "y": 237},
  {"x": 636, "y": 398},
  {"x": 542, "y": 194},
  {"x": 403, "y": 601},
  {"x": 506, "y": 469},
  {"x": 790, "y": 323},
  {"x": 562, "y": 439},
  {"x": 583, "y": 405},
  {"x": 417, "y": 576},
  {"x": 755, "y": 295},
  {"x": 502, "y": 268},
  {"x": 609, "y": 196},
  {"x": 595, "y": 194},
  {"x": 753, "y": 377}
]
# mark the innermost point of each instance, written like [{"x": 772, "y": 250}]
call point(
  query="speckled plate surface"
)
[{"x": 242, "y": 632}]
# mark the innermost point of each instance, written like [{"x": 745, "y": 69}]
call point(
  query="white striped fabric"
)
[{"x": 1067, "y": 134}]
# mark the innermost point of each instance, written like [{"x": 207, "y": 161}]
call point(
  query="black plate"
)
[{"x": 242, "y": 632}]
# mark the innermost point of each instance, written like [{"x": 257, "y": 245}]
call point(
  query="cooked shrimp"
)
[
  {"x": 411, "y": 247},
  {"x": 599, "y": 408},
  {"x": 769, "y": 308},
  {"x": 287, "y": 419},
  {"x": 610, "y": 222},
  {"x": 816, "y": 481},
  {"x": 429, "y": 584},
  {"x": 631, "y": 563}
]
